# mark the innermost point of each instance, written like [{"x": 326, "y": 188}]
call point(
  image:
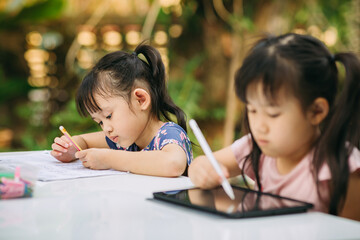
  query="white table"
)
[{"x": 120, "y": 207}]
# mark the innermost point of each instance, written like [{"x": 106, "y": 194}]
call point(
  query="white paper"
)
[{"x": 50, "y": 169}]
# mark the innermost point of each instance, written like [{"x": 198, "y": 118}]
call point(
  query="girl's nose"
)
[
  {"x": 107, "y": 128},
  {"x": 261, "y": 126}
]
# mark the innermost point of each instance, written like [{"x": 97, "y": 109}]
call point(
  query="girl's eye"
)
[
  {"x": 109, "y": 116},
  {"x": 274, "y": 115},
  {"x": 100, "y": 123},
  {"x": 251, "y": 111}
]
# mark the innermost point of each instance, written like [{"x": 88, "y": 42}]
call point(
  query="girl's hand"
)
[
  {"x": 203, "y": 174},
  {"x": 63, "y": 150},
  {"x": 93, "y": 158}
]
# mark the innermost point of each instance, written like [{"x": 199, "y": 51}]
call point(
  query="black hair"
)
[
  {"x": 305, "y": 66},
  {"x": 116, "y": 74}
]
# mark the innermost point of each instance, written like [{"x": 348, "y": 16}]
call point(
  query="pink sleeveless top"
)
[{"x": 299, "y": 183}]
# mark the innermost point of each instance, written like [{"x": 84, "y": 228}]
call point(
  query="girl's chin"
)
[
  {"x": 268, "y": 152},
  {"x": 122, "y": 145}
]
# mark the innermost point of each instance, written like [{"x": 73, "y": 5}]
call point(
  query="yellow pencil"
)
[{"x": 63, "y": 130}]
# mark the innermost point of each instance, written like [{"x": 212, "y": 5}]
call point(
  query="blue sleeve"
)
[{"x": 174, "y": 134}]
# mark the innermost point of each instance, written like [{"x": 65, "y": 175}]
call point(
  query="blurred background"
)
[{"x": 47, "y": 46}]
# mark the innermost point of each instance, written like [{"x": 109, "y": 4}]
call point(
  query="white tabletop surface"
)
[{"x": 121, "y": 207}]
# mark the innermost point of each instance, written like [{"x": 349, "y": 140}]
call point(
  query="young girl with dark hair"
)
[
  {"x": 301, "y": 140},
  {"x": 127, "y": 97}
]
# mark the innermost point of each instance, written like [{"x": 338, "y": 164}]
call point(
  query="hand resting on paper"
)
[{"x": 93, "y": 158}]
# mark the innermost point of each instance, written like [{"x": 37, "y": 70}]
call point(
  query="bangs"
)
[
  {"x": 272, "y": 71},
  {"x": 95, "y": 83}
]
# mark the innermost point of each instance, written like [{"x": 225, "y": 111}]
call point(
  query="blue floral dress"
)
[{"x": 169, "y": 133}]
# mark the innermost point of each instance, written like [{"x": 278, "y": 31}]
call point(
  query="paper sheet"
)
[{"x": 50, "y": 169}]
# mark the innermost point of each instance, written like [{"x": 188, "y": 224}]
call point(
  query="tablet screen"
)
[{"x": 247, "y": 203}]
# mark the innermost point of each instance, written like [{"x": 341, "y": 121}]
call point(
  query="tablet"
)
[{"x": 247, "y": 203}]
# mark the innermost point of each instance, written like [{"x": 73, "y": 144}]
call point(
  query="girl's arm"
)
[
  {"x": 171, "y": 161},
  {"x": 202, "y": 173},
  {"x": 352, "y": 207},
  {"x": 64, "y": 151},
  {"x": 92, "y": 140}
]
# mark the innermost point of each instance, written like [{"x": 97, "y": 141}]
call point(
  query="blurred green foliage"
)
[
  {"x": 12, "y": 87},
  {"x": 68, "y": 117},
  {"x": 28, "y": 12},
  {"x": 186, "y": 89}
]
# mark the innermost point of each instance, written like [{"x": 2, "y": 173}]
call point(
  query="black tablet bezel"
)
[{"x": 254, "y": 213}]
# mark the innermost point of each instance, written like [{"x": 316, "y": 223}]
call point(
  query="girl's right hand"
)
[
  {"x": 63, "y": 150},
  {"x": 203, "y": 174}
]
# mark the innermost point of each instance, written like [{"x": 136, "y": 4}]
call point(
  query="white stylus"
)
[{"x": 206, "y": 148}]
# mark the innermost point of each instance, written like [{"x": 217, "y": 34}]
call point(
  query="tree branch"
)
[
  {"x": 75, "y": 46},
  {"x": 150, "y": 19}
]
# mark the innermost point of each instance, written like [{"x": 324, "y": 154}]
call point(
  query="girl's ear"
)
[
  {"x": 318, "y": 110},
  {"x": 142, "y": 98}
]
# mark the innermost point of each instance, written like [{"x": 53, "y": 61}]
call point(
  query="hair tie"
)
[{"x": 331, "y": 58}]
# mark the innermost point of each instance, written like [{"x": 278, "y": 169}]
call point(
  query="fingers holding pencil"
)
[
  {"x": 61, "y": 144},
  {"x": 203, "y": 174},
  {"x": 63, "y": 150},
  {"x": 68, "y": 136},
  {"x": 64, "y": 147}
]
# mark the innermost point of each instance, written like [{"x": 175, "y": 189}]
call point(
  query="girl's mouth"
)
[
  {"x": 262, "y": 142},
  {"x": 114, "y": 139}
]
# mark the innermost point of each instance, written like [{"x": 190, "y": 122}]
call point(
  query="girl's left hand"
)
[{"x": 93, "y": 158}]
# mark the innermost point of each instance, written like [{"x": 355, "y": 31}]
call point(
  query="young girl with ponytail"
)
[
  {"x": 127, "y": 96},
  {"x": 302, "y": 131}
]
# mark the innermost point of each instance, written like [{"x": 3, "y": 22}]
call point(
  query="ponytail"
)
[
  {"x": 341, "y": 132},
  {"x": 161, "y": 102}
]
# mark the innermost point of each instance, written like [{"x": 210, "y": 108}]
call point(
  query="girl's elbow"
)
[{"x": 177, "y": 168}]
